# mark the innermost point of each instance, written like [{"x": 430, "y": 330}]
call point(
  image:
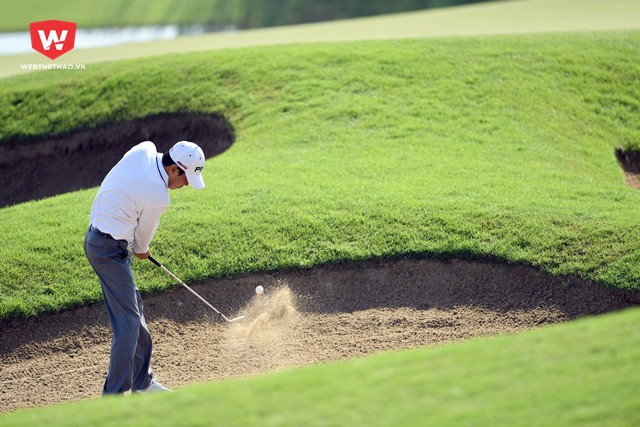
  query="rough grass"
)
[{"x": 487, "y": 147}]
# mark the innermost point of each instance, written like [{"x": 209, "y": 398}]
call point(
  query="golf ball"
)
[{"x": 259, "y": 290}]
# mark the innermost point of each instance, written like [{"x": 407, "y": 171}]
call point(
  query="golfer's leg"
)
[
  {"x": 125, "y": 322},
  {"x": 142, "y": 358},
  {"x": 111, "y": 261}
]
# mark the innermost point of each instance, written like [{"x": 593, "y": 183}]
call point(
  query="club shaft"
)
[
  {"x": 177, "y": 279},
  {"x": 190, "y": 290}
]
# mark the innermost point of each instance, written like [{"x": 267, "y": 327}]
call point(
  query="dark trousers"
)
[{"x": 131, "y": 342}]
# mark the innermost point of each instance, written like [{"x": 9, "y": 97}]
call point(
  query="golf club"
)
[{"x": 192, "y": 291}]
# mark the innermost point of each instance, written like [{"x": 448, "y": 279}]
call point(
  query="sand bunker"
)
[
  {"x": 630, "y": 163},
  {"x": 303, "y": 318},
  {"x": 270, "y": 330},
  {"x": 44, "y": 164},
  {"x": 268, "y": 316}
]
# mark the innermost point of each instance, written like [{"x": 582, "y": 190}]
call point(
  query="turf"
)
[
  {"x": 579, "y": 14},
  {"x": 490, "y": 147},
  {"x": 577, "y": 374},
  {"x": 499, "y": 17},
  {"x": 221, "y": 13}
]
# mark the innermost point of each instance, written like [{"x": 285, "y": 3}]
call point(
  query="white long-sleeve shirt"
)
[{"x": 133, "y": 197}]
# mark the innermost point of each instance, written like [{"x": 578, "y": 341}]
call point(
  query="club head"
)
[{"x": 232, "y": 320}]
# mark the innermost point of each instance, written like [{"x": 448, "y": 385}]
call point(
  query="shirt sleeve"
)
[{"x": 147, "y": 225}]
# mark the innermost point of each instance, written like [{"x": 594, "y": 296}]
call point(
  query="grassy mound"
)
[{"x": 490, "y": 147}]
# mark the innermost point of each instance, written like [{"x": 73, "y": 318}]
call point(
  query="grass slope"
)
[
  {"x": 500, "y": 17},
  {"x": 578, "y": 374},
  {"x": 489, "y": 147}
]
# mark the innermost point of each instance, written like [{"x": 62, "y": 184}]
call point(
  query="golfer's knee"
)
[{"x": 127, "y": 328}]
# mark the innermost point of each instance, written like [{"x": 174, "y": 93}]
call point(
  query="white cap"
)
[{"x": 190, "y": 158}]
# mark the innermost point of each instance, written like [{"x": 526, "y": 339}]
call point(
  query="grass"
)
[
  {"x": 500, "y": 17},
  {"x": 489, "y": 147},
  {"x": 578, "y": 374},
  {"x": 243, "y": 14},
  {"x": 117, "y": 13}
]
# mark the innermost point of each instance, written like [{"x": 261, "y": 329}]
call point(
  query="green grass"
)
[
  {"x": 500, "y": 17},
  {"x": 489, "y": 147},
  {"x": 240, "y": 13},
  {"x": 579, "y": 374},
  {"x": 485, "y": 147},
  {"x": 587, "y": 14},
  {"x": 115, "y": 13}
]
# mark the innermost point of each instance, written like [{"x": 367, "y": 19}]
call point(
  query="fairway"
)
[{"x": 502, "y": 17}]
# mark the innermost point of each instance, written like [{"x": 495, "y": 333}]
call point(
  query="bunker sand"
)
[{"x": 304, "y": 317}]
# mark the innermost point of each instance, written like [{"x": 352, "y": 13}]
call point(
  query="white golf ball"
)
[{"x": 259, "y": 290}]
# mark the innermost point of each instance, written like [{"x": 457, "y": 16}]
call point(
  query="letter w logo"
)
[
  {"x": 53, "y": 37},
  {"x": 60, "y": 34}
]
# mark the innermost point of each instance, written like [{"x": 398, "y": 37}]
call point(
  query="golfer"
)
[{"x": 126, "y": 213}]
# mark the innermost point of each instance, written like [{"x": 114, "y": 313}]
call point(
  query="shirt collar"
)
[{"x": 163, "y": 173}]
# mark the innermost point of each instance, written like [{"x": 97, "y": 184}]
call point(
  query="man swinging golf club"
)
[{"x": 126, "y": 212}]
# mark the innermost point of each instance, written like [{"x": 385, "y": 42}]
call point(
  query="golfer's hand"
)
[{"x": 142, "y": 256}]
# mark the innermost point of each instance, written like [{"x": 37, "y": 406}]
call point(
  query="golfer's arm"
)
[{"x": 147, "y": 226}]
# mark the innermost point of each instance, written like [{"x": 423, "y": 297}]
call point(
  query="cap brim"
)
[{"x": 196, "y": 181}]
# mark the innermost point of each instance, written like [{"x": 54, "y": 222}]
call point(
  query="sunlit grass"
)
[
  {"x": 495, "y": 147},
  {"x": 499, "y": 17}
]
